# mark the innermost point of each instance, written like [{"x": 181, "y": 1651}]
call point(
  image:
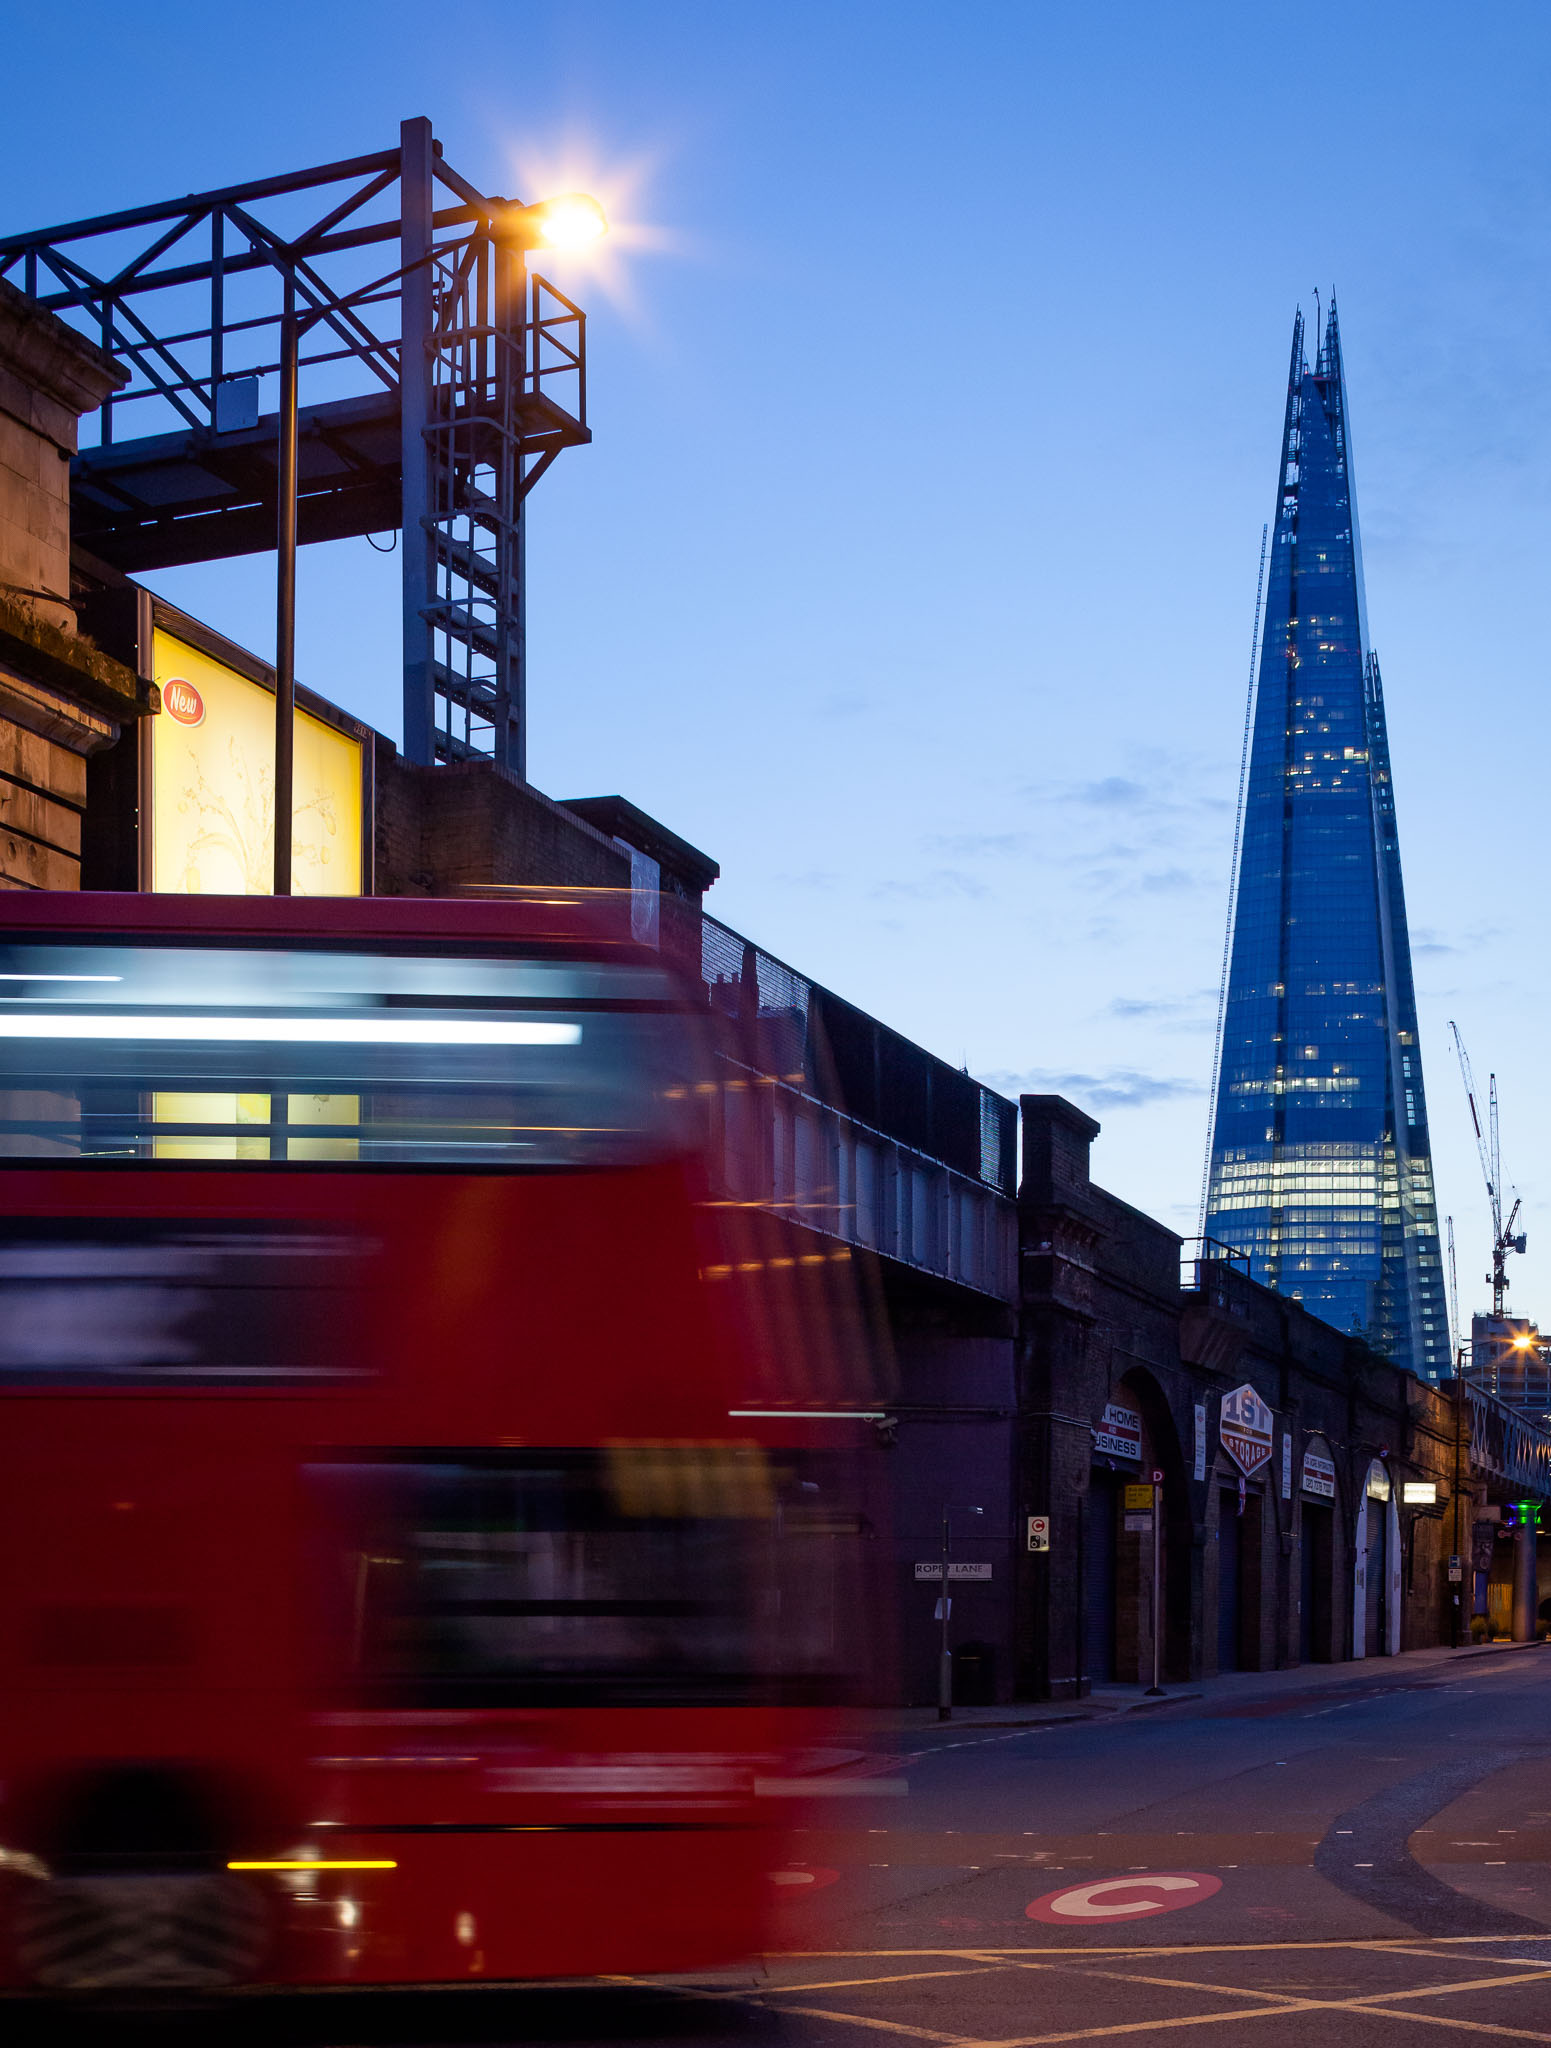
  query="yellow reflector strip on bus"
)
[{"x": 314, "y": 1863}]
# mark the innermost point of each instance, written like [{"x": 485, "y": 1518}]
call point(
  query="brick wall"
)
[
  {"x": 439, "y": 829},
  {"x": 1260, "y": 1585}
]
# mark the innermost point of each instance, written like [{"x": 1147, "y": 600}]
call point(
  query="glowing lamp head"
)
[
  {"x": 573, "y": 221},
  {"x": 1522, "y": 1343}
]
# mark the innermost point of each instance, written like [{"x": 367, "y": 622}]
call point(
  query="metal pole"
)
[
  {"x": 945, "y": 1657},
  {"x": 285, "y": 595},
  {"x": 1156, "y": 1688},
  {"x": 417, "y": 549},
  {"x": 513, "y": 290},
  {"x": 1457, "y": 1623},
  {"x": 1079, "y": 1638}
]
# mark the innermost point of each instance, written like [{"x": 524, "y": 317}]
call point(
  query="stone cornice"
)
[
  {"x": 54, "y": 363},
  {"x": 44, "y": 663}
]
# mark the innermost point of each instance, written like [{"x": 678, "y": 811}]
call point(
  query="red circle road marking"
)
[
  {"x": 1137, "y": 1897},
  {"x": 806, "y": 1877}
]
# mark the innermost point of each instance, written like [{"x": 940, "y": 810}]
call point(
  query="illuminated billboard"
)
[{"x": 212, "y": 786}]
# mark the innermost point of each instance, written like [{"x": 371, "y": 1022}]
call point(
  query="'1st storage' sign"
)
[{"x": 1246, "y": 1429}]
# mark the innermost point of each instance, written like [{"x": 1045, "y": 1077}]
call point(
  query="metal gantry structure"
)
[{"x": 440, "y": 377}]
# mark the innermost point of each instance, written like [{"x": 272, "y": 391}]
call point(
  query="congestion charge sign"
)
[
  {"x": 1246, "y": 1429},
  {"x": 1141, "y": 1896}
]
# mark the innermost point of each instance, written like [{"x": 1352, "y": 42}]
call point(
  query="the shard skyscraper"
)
[{"x": 1320, "y": 1169}]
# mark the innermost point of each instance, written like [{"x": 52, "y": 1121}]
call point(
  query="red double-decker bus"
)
[{"x": 390, "y": 1595}]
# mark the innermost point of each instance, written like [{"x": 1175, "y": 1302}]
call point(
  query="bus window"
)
[
  {"x": 271, "y": 1054},
  {"x": 124, "y": 1302},
  {"x": 499, "y": 1579}
]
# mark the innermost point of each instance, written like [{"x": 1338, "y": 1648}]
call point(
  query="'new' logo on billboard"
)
[{"x": 180, "y": 700}]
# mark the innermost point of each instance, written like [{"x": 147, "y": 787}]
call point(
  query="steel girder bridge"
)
[
  {"x": 1510, "y": 1450},
  {"x": 439, "y": 380}
]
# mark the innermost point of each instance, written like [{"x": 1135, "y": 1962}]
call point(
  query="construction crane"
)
[
  {"x": 1489, "y": 1150},
  {"x": 1456, "y": 1334}
]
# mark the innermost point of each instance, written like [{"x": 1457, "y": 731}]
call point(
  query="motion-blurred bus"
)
[{"x": 395, "y": 1587}]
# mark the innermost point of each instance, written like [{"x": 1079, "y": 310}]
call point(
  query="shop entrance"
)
[
  {"x": 1230, "y": 1577},
  {"x": 1377, "y": 1558},
  {"x": 1374, "y": 1576},
  {"x": 1238, "y": 1581},
  {"x": 1099, "y": 1578},
  {"x": 1316, "y": 1547}
]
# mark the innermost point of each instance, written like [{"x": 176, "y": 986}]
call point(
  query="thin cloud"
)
[
  {"x": 1114, "y": 792},
  {"x": 926, "y": 888},
  {"x": 1150, "y": 1006},
  {"x": 979, "y": 845},
  {"x": 1114, "y": 1088}
]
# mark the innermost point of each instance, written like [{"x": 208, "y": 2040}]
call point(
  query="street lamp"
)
[
  {"x": 573, "y": 220},
  {"x": 945, "y": 1655},
  {"x": 570, "y": 221}
]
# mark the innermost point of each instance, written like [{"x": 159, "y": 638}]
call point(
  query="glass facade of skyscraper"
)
[{"x": 1320, "y": 1169}]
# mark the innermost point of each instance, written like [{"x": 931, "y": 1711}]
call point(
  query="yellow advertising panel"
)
[{"x": 213, "y": 787}]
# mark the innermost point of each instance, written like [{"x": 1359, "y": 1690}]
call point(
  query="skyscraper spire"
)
[{"x": 1320, "y": 1167}]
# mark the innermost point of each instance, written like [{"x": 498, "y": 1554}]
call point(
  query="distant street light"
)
[{"x": 573, "y": 220}]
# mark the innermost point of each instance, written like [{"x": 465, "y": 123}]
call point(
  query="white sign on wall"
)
[
  {"x": 1287, "y": 1464},
  {"x": 1245, "y": 1429},
  {"x": 1200, "y": 1439},
  {"x": 1118, "y": 1433},
  {"x": 1319, "y": 1473}
]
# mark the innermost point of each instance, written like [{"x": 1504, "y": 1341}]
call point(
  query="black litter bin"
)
[{"x": 974, "y": 1675}]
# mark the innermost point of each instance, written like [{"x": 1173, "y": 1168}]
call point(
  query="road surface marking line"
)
[
  {"x": 856, "y": 2019},
  {"x": 1200, "y": 2019},
  {"x": 1438, "y": 2019},
  {"x": 1174, "y": 1983},
  {"x": 1504, "y": 1962},
  {"x": 813, "y": 2012},
  {"x": 1448, "y": 1990},
  {"x": 903, "y": 1977},
  {"x": 1178, "y": 1948},
  {"x": 1371, "y": 2003}
]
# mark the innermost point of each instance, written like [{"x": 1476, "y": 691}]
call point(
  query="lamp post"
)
[
  {"x": 571, "y": 221},
  {"x": 1155, "y": 1690},
  {"x": 945, "y": 1655}
]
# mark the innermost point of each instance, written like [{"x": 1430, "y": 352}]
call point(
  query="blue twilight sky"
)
[{"x": 937, "y": 395}]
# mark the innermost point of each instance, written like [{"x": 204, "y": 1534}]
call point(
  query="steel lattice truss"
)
[
  {"x": 1506, "y": 1444},
  {"x": 439, "y": 380}
]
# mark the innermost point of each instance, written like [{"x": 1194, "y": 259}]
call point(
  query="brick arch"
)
[{"x": 1144, "y": 1391}]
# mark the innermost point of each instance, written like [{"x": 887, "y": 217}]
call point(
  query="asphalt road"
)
[{"x": 1364, "y": 1860}]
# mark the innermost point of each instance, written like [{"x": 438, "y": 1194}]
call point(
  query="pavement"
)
[{"x": 1232, "y": 1685}]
